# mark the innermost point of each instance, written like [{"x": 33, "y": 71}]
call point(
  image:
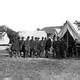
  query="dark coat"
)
[
  {"x": 48, "y": 44},
  {"x": 21, "y": 44},
  {"x": 31, "y": 44},
  {"x": 27, "y": 46},
  {"x": 42, "y": 45}
]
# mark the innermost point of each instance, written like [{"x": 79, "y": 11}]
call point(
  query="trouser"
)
[
  {"x": 24, "y": 53},
  {"x": 27, "y": 53},
  {"x": 18, "y": 53},
  {"x": 42, "y": 52},
  {"x": 32, "y": 52},
  {"x": 38, "y": 53},
  {"x": 54, "y": 52},
  {"x": 21, "y": 53},
  {"x": 57, "y": 50},
  {"x": 47, "y": 54}
]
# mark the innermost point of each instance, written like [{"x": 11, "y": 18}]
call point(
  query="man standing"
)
[
  {"x": 62, "y": 48},
  {"x": 32, "y": 47},
  {"x": 53, "y": 46},
  {"x": 36, "y": 47},
  {"x": 27, "y": 47},
  {"x": 21, "y": 44},
  {"x": 56, "y": 46},
  {"x": 42, "y": 46},
  {"x": 18, "y": 45},
  {"x": 47, "y": 47}
]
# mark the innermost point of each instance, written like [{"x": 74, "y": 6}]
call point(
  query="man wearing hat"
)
[
  {"x": 42, "y": 46},
  {"x": 36, "y": 46},
  {"x": 31, "y": 46},
  {"x": 27, "y": 47},
  {"x": 22, "y": 48},
  {"x": 47, "y": 47}
]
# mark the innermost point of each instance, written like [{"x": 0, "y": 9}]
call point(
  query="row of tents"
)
[{"x": 68, "y": 31}]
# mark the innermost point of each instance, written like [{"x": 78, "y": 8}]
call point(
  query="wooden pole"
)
[{"x": 67, "y": 43}]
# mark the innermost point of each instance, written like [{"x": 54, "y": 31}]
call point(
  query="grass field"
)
[{"x": 39, "y": 69}]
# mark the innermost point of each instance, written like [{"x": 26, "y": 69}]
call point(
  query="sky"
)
[{"x": 28, "y": 15}]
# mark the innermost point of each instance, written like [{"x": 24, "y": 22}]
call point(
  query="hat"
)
[
  {"x": 28, "y": 37},
  {"x": 31, "y": 36}
]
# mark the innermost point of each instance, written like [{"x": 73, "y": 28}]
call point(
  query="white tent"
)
[
  {"x": 68, "y": 26},
  {"x": 4, "y": 41},
  {"x": 39, "y": 34}
]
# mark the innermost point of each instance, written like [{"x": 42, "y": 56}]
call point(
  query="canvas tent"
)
[
  {"x": 70, "y": 28},
  {"x": 4, "y": 39},
  {"x": 39, "y": 34},
  {"x": 69, "y": 33}
]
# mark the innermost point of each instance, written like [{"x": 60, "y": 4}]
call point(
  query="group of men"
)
[
  {"x": 64, "y": 49},
  {"x": 45, "y": 47},
  {"x": 29, "y": 47}
]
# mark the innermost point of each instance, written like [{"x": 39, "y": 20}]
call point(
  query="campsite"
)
[{"x": 41, "y": 68}]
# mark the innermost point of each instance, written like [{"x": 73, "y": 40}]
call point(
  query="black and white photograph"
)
[{"x": 39, "y": 40}]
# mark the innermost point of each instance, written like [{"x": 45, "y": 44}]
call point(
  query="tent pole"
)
[{"x": 67, "y": 43}]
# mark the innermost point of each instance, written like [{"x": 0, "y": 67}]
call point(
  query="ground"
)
[{"x": 39, "y": 69}]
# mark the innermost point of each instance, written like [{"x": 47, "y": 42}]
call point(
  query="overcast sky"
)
[{"x": 22, "y": 15}]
